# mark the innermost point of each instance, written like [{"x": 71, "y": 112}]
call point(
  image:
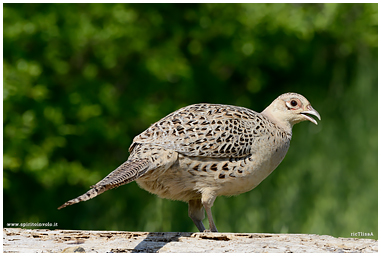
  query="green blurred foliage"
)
[{"x": 81, "y": 80}]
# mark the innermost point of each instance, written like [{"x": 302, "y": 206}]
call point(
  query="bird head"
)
[{"x": 289, "y": 109}]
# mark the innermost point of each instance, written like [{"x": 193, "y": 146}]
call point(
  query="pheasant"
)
[{"x": 205, "y": 150}]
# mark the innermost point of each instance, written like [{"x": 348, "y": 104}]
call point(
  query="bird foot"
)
[{"x": 209, "y": 231}]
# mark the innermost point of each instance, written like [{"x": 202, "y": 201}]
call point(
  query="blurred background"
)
[{"x": 81, "y": 80}]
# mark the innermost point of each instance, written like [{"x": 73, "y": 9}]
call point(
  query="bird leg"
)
[
  {"x": 212, "y": 226},
  {"x": 207, "y": 201},
  {"x": 196, "y": 213}
]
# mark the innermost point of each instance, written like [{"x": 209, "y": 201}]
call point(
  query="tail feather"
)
[
  {"x": 125, "y": 173},
  {"x": 87, "y": 196}
]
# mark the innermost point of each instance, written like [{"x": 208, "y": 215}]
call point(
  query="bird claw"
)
[{"x": 209, "y": 231}]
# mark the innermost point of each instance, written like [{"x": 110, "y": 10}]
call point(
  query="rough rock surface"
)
[{"x": 43, "y": 240}]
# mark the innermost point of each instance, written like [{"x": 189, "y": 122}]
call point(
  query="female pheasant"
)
[{"x": 204, "y": 150}]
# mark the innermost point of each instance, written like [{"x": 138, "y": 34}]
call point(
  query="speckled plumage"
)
[{"x": 203, "y": 151}]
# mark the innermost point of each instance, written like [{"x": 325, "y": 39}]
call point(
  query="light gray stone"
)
[{"x": 42, "y": 240}]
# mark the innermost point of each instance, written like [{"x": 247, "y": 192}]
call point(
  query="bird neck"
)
[{"x": 271, "y": 114}]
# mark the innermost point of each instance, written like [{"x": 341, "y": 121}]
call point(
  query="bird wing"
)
[{"x": 209, "y": 130}]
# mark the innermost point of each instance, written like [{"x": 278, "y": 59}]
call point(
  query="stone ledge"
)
[{"x": 20, "y": 240}]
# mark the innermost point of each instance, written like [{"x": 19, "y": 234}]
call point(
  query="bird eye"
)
[{"x": 294, "y": 103}]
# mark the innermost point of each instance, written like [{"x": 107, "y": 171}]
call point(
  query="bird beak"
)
[{"x": 311, "y": 111}]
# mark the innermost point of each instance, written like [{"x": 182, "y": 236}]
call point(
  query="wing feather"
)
[{"x": 210, "y": 130}]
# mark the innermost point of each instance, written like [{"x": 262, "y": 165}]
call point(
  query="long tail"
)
[{"x": 125, "y": 173}]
